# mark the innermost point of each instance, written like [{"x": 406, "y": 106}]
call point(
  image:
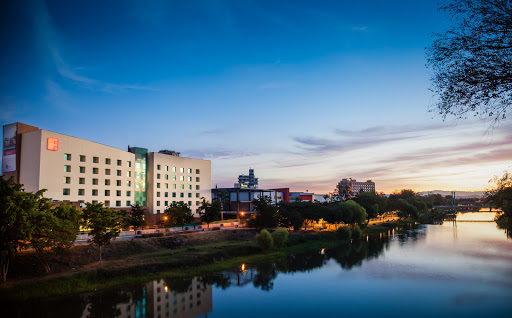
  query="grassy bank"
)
[{"x": 196, "y": 259}]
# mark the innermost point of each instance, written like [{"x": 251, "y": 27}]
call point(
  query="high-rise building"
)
[
  {"x": 349, "y": 187},
  {"x": 247, "y": 181},
  {"x": 78, "y": 170}
]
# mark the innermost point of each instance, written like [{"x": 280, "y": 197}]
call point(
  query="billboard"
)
[{"x": 9, "y": 148}]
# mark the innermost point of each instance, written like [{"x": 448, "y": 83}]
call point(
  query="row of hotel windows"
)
[
  {"x": 67, "y": 191},
  {"x": 173, "y": 177},
  {"x": 67, "y": 168},
  {"x": 173, "y": 169},
  {"x": 182, "y": 186},
  {"x": 174, "y": 195},
  {"x": 166, "y": 203},
  {"x": 82, "y": 158},
  {"x": 67, "y": 180}
]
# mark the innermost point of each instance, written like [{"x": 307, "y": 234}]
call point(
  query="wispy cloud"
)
[
  {"x": 359, "y": 28},
  {"x": 49, "y": 37}
]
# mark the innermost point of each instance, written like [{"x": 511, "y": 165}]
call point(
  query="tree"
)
[
  {"x": 209, "y": 212},
  {"x": 472, "y": 60},
  {"x": 17, "y": 208},
  {"x": 136, "y": 216},
  {"x": 267, "y": 216},
  {"x": 501, "y": 197},
  {"x": 54, "y": 230},
  {"x": 369, "y": 201},
  {"x": 178, "y": 214},
  {"x": 105, "y": 224}
]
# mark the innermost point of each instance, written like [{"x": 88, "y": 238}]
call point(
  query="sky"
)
[{"x": 304, "y": 92}]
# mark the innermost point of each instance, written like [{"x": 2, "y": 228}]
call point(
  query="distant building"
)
[
  {"x": 306, "y": 197},
  {"x": 235, "y": 200},
  {"x": 349, "y": 187},
  {"x": 247, "y": 181}
]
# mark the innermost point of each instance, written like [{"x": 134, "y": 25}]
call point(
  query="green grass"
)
[{"x": 187, "y": 262}]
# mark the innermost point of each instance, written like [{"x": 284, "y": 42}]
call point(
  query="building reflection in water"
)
[{"x": 181, "y": 298}]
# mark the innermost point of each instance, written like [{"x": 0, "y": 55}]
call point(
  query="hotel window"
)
[
  {"x": 182, "y": 178},
  {"x": 166, "y": 177},
  {"x": 158, "y": 185},
  {"x": 197, "y": 186},
  {"x": 107, "y": 161},
  {"x": 128, "y": 174},
  {"x": 157, "y": 203},
  {"x": 190, "y": 204},
  {"x": 197, "y": 179},
  {"x": 94, "y": 192},
  {"x": 174, "y": 202},
  {"x": 190, "y": 195},
  {"x": 166, "y": 203},
  {"x": 65, "y": 191},
  {"x": 95, "y": 160},
  {"x": 82, "y": 158},
  {"x": 94, "y": 201},
  {"x": 197, "y": 171},
  {"x": 129, "y": 183},
  {"x": 118, "y": 173},
  {"x": 107, "y": 203},
  {"x": 197, "y": 195},
  {"x": 81, "y": 191},
  {"x": 107, "y": 193},
  {"x": 189, "y": 179},
  {"x": 95, "y": 181},
  {"x": 129, "y": 164},
  {"x": 182, "y": 186},
  {"x": 119, "y": 162},
  {"x": 118, "y": 203},
  {"x": 158, "y": 194},
  {"x": 67, "y": 179},
  {"x": 173, "y": 169},
  {"x": 182, "y": 195},
  {"x": 190, "y": 187},
  {"x": 67, "y": 168},
  {"x": 82, "y": 169},
  {"x": 167, "y": 186},
  {"x": 198, "y": 203},
  {"x": 158, "y": 176},
  {"x": 128, "y": 203},
  {"x": 128, "y": 193},
  {"x": 189, "y": 170},
  {"x": 157, "y": 167},
  {"x": 107, "y": 181},
  {"x": 81, "y": 180},
  {"x": 166, "y": 168},
  {"x": 182, "y": 170},
  {"x": 118, "y": 183},
  {"x": 118, "y": 193},
  {"x": 174, "y": 194},
  {"x": 174, "y": 186},
  {"x": 67, "y": 156},
  {"x": 95, "y": 170},
  {"x": 174, "y": 178},
  {"x": 107, "y": 172},
  {"x": 166, "y": 194}
]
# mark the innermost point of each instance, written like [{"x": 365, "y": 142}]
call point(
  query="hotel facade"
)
[{"x": 77, "y": 170}]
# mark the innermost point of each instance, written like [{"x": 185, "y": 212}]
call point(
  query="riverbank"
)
[{"x": 128, "y": 262}]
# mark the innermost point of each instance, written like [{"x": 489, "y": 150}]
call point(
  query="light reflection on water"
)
[{"x": 461, "y": 269}]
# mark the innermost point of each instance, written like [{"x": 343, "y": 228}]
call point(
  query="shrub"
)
[
  {"x": 265, "y": 240},
  {"x": 343, "y": 233},
  {"x": 280, "y": 237},
  {"x": 356, "y": 233}
]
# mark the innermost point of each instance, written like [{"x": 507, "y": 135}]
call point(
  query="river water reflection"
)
[{"x": 461, "y": 269}]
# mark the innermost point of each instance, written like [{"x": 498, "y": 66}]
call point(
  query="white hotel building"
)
[{"x": 78, "y": 170}]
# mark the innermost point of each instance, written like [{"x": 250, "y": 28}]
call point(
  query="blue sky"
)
[{"x": 304, "y": 92}]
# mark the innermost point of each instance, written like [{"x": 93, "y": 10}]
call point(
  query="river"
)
[{"x": 455, "y": 269}]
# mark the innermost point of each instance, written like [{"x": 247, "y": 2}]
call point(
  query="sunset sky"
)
[{"x": 304, "y": 92}]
